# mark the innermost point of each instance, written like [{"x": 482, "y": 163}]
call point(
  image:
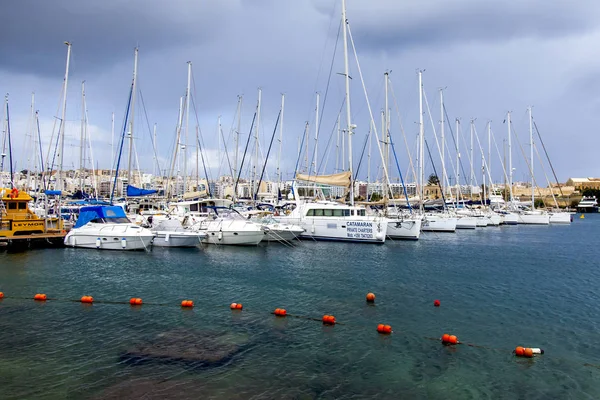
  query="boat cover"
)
[
  {"x": 133, "y": 191},
  {"x": 89, "y": 213}
]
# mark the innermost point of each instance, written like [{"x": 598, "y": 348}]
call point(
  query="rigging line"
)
[
  {"x": 10, "y": 157},
  {"x": 37, "y": 119},
  {"x": 526, "y": 162},
  {"x": 200, "y": 138},
  {"x": 410, "y": 159},
  {"x": 401, "y": 179},
  {"x": 204, "y": 167},
  {"x": 367, "y": 136},
  {"x": 149, "y": 129},
  {"x": 464, "y": 174},
  {"x": 300, "y": 152},
  {"x": 267, "y": 157},
  {"x": 333, "y": 130},
  {"x": 546, "y": 176},
  {"x": 435, "y": 172},
  {"x": 244, "y": 157},
  {"x": 331, "y": 19},
  {"x": 548, "y": 157},
  {"x": 226, "y": 153},
  {"x": 112, "y": 194},
  {"x": 54, "y": 129}
]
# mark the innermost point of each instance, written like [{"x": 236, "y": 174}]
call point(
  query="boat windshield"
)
[{"x": 114, "y": 220}]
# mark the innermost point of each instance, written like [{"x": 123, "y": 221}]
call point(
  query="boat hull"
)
[
  {"x": 406, "y": 229},
  {"x": 560, "y": 218},
  {"x": 439, "y": 223},
  {"x": 534, "y": 219},
  {"x": 344, "y": 230},
  {"x": 178, "y": 239},
  {"x": 110, "y": 237},
  {"x": 466, "y": 223},
  {"x": 282, "y": 235},
  {"x": 230, "y": 238}
]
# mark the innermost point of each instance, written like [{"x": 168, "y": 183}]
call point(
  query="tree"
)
[{"x": 433, "y": 180}]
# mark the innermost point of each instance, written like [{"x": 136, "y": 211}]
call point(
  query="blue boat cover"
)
[
  {"x": 89, "y": 213},
  {"x": 132, "y": 191},
  {"x": 53, "y": 192}
]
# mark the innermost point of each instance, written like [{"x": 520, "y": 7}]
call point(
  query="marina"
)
[
  {"x": 492, "y": 293},
  {"x": 279, "y": 201}
]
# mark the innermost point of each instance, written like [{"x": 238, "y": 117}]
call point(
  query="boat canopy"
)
[
  {"x": 53, "y": 192},
  {"x": 90, "y": 213},
  {"x": 342, "y": 179},
  {"x": 133, "y": 191}
]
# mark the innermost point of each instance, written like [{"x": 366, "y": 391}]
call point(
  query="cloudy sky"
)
[{"x": 491, "y": 57}]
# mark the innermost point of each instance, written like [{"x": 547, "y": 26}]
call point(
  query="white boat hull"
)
[
  {"x": 239, "y": 238},
  {"x": 534, "y": 219},
  {"x": 439, "y": 223},
  {"x": 367, "y": 230},
  {"x": 275, "y": 234},
  {"x": 110, "y": 237},
  {"x": 407, "y": 228},
  {"x": 178, "y": 239},
  {"x": 466, "y": 223},
  {"x": 560, "y": 218}
]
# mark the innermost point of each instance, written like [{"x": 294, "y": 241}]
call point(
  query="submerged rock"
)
[{"x": 199, "y": 348}]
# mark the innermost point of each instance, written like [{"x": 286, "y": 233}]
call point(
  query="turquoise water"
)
[{"x": 499, "y": 288}]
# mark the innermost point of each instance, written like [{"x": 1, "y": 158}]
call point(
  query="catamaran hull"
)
[
  {"x": 406, "y": 229},
  {"x": 343, "y": 230},
  {"x": 112, "y": 242},
  {"x": 229, "y": 238},
  {"x": 178, "y": 239}
]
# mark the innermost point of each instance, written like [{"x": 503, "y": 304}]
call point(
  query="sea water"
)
[{"x": 499, "y": 287}]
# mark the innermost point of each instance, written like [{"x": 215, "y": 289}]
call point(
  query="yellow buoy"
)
[{"x": 582, "y": 216}]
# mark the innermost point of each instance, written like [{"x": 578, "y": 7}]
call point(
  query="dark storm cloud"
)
[
  {"x": 390, "y": 24},
  {"x": 101, "y": 31}
]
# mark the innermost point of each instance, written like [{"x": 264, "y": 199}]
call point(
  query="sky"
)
[{"x": 488, "y": 57}]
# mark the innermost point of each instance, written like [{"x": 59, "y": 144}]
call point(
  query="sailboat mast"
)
[
  {"x": 34, "y": 136},
  {"x": 132, "y": 113},
  {"x": 255, "y": 187},
  {"x": 386, "y": 134},
  {"x": 443, "y": 151},
  {"x": 510, "y": 168},
  {"x": 531, "y": 158},
  {"x": 457, "y": 161},
  {"x": 315, "y": 156},
  {"x": 237, "y": 138},
  {"x": 154, "y": 167},
  {"x": 82, "y": 138},
  {"x": 349, "y": 125},
  {"x": 63, "y": 121},
  {"x": 421, "y": 142},
  {"x": 187, "y": 125},
  {"x": 280, "y": 142},
  {"x": 472, "y": 161}
]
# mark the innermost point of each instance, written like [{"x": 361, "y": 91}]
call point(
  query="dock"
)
[{"x": 35, "y": 241}]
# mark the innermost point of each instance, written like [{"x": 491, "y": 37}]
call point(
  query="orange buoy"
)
[
  {"x": 328, "y": 319},
  {"x": 1, "y": 295},
  {"x": 519, "y": 351},
  {"x": 186, "y": 303},
  {"x": 280, "y": 312},
  {"x": 40, "y": 297},
  {"x": 385, "y": 329},
  {"x": 135, "y": 301},
  {"x": 87, "y": 299},
  {"x": 436, "y": 303},
  {"x": 236, "y": 306},
  {"x": 449, "y": 339},
  {"x": 370, "y": 297},
  {"x": 527, "y": 352}
]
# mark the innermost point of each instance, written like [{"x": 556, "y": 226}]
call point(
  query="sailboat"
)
[
  {"x": 107, "y": 227},
  {"x": 329, "y": 220},
  {"x": 432, "y": 221},
  {"x": 532, "y": 216}
]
